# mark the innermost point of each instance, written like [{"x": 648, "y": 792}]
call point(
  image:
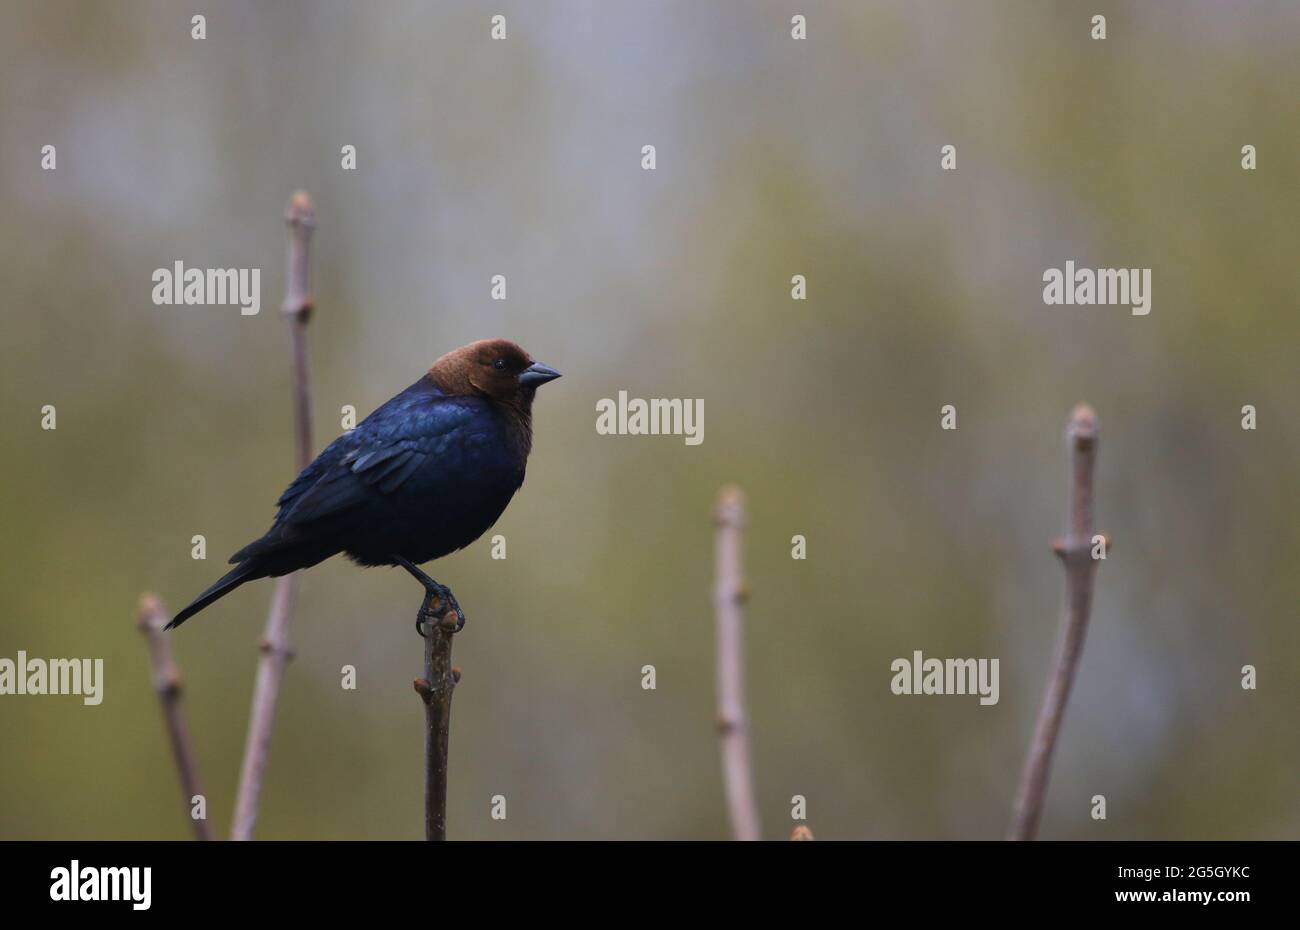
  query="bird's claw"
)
[{"x": 434, "y": 609}]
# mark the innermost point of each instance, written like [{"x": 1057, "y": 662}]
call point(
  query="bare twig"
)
[
  {"x": 297, "y": 306},
  {"x": 729, "y": 594},
  {"x": 435, "y": 689},
  {"x": 1076, "y": 555},
  {"x": 276, "y": 652},
  {"x": 151, "y": 619}
]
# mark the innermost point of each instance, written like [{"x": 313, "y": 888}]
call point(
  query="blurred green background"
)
[{"x": 775, "y": 157}]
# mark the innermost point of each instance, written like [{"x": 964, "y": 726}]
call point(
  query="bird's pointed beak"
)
[{"x": 537, "y": 374}]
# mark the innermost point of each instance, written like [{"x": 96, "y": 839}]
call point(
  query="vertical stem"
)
[
  {"x": 152, "y": 618},
  {"x": 1075, "y": 553},
  {"x": 435, "y": 689},
  {"x": 729, "y": 594},
  {"x": 276, "y": 655},
  {"x": 276, "y": 652},
  {"x": 298, "y": 305}
]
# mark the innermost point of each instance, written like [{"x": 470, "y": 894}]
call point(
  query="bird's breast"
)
[{"x": 458, "y": 492}]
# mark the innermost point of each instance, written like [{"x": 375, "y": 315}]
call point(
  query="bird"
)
[{"x": 425, "y": 474}]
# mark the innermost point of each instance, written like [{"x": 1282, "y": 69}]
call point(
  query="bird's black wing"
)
[{"x": 376, "y": 458}]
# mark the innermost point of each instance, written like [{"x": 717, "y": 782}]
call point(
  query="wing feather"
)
[{"x": 379, "y": 456}]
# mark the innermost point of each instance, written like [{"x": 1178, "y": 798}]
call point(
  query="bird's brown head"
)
[{"x": 493, "y": 368}]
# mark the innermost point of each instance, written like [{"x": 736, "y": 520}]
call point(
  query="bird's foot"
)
[
  {"x": 434, "y": 594},
  {"x": 438, "y": 607}
]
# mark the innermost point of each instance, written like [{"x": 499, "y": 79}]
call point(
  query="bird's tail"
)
[{"x": 245, "y": 571}]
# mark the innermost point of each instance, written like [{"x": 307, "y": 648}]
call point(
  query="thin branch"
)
[
  {"x": 151, "y": 619},
  {"x": 1075, "y": 552},
  {"x": 435, "y": 689},
  {"x": 729, "y": 594},
  {"x": 276, "y": 652},
  {"x": 298, "y": 306}
]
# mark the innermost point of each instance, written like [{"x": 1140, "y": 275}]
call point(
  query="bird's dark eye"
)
[{"x": 499, "y": 364}]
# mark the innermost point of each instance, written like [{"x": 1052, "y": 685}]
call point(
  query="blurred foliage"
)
[{"x": 775, "y": 157}]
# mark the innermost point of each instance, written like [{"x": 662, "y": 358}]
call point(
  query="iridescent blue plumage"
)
[{"x": 425, "y": 474}]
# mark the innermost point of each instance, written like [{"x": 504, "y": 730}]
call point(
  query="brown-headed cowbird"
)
[{"x": 424, "y": 475}]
